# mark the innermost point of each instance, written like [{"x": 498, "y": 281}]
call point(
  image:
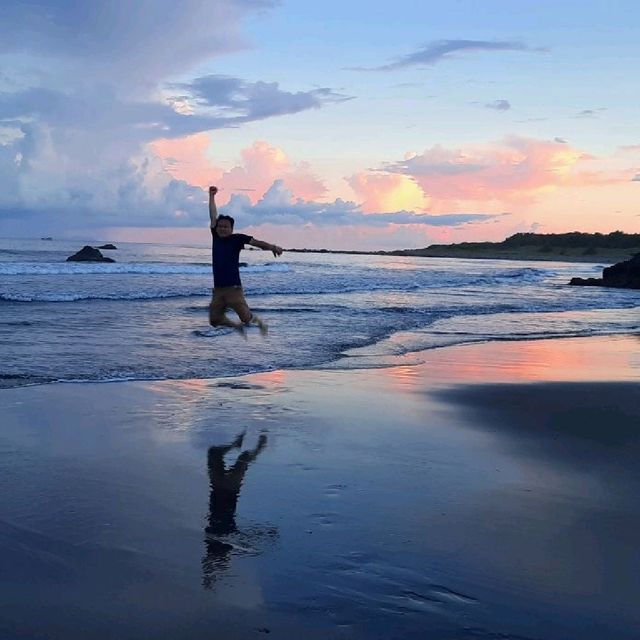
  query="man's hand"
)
[{"x": 213, "y": 191}]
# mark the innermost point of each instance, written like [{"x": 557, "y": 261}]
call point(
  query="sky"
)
[{"x": 339, "y": 125}]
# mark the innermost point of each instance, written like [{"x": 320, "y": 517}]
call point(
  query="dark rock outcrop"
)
[
  {"x": 88, "y": 254},
  {"x": 587, "y": 282},
  {"x": 623, "y": 275},
  {"x": 108, "y": 246}
]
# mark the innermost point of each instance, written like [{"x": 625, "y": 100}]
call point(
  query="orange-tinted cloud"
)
[
  {"x": 545, "y": 186},
  {"x": 387, "y": 192},
  {"x": 518, "y": 170}
]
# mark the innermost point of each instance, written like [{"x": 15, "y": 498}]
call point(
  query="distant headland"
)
[{"x": 571, "y": 247}]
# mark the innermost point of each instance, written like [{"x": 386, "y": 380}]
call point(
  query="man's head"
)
[{"x": 224, "y": 226}]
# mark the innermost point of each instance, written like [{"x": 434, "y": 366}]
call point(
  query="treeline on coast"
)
[
  {"x": 613, "y": 240},
  {"x": 527, "y": 246},
  {"x": 571, "y": 243}
]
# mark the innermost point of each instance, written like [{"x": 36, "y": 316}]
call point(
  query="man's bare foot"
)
[{"x": 263, "y": 326}]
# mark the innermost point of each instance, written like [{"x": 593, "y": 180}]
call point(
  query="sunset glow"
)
[{"x": 490, "y": 132}]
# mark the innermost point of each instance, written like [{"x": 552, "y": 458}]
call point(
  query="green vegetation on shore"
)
[{"x": 574, "y": 246}]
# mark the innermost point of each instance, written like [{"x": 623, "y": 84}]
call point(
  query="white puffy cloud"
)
[{"x": 74, "y": 136}]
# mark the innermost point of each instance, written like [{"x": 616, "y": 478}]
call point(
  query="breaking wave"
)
[{"x": 120, "y": 268}]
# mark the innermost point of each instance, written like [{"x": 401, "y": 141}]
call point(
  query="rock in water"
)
[
  {"x": 108, "y": 246},
  {"x": 622, "y": 275},
  {"x": 587, "y": 282},
  {"x": 88, "y": 254}
]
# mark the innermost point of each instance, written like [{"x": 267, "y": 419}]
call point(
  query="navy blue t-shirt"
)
[{"x": 225, "y": 258}]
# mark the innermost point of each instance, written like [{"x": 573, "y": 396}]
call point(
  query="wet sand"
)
[{"x": 489, "y": 492}]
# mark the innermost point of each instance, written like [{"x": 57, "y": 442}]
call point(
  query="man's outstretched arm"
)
[
  {"x": 213, "y": 210},
  {"x": 274, "y": 248}
]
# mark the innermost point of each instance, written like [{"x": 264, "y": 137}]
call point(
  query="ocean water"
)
[{"x": 145, "y": 316}]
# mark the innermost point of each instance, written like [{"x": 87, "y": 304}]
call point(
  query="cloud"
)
[
  {"x": 560, "y": 140},
  {"x": 515, "y": 170},
  {"x": 186, "y": 159},
  {"x": 589, "y": 113},
  {"x": 260, "y": 165},
  {"x": 630, "y": 148},
  {"x": 263, "y": 164},
  {"x": 444, "y": 50},
  {"x": 223, "y": 104},
  {"x": 636, "y": 178},
  {"x": 236, "y": 101},
  {"x": 387, "y": 192},
  {"x": 499, "y": 105},
  {"x": 173, "y": 204},
  {"x": 279, "y": 207},
  {"x": 78, "y": 133},
  {"x": 132, "y": 42}
]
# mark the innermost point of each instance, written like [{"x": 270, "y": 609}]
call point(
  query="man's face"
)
[{"x": 224, "y": 228}]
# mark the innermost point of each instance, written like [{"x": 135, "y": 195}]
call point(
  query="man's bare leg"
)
[
  {"x": 223, "y": 321},
  {"x": 218, "y": 318},
  {"x": 238, "y": 326}
]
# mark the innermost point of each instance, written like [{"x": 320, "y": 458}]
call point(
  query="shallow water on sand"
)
[{"x": 320, "y": 504}]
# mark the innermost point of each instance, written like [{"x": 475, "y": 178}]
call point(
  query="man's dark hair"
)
[{"x": 229, "y": 218}]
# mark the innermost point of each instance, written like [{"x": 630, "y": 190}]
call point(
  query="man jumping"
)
[{"x": 227, "y": 288}]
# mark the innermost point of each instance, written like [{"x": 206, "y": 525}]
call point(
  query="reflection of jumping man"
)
[
  {"x": 227, "y": 288},
  {"x": 225, "y": 487}
]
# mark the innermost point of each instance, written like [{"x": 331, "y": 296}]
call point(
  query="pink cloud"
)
[
  {"x": 518, "y": 170},
  {"x": 261, "y": 165},
  {"x": 630, "y": 148},
  {"x": 186, "y": 159},
  {"x": 545, "y": 185}
]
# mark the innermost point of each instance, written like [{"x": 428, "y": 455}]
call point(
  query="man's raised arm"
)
[{"x": 213, "y": 211}]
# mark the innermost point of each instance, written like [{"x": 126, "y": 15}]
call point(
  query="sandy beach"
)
[{"x": 489, "y": 491}]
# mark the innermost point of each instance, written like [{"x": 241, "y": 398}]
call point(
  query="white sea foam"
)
[
  {"x": 76, "y": 297},
  {"x": 188, "y": 292},
  {"x": 121, "y": 268}
]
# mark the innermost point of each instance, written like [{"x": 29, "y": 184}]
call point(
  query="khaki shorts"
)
[{"x": 228, "y": 298}]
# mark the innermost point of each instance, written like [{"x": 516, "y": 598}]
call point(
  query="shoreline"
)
[
  {"x": 534, "y": 256},
  {"x": 488, "y": 492},
  {"x": 410, "y": 358}
]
